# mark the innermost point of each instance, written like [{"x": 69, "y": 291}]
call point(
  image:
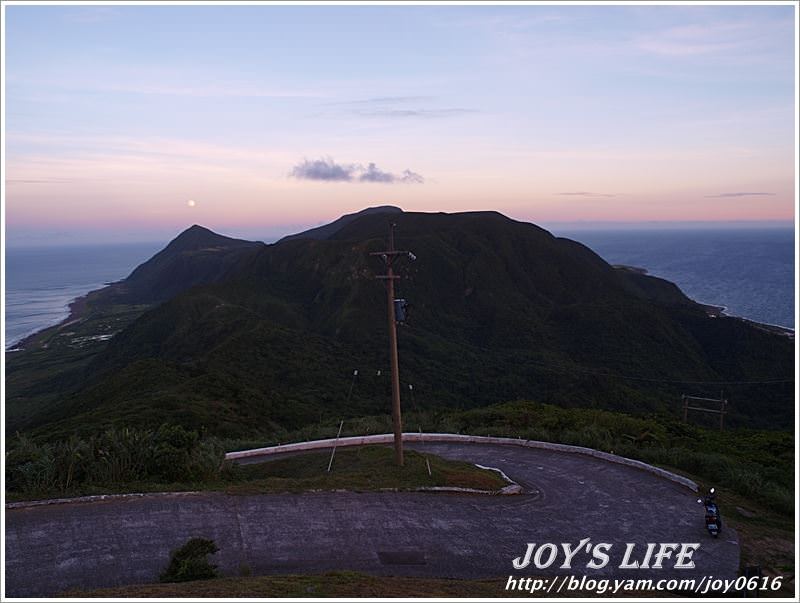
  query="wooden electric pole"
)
[{"x": 389, "y": 258}]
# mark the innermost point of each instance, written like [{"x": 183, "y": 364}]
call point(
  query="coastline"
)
[
  {"x": 80, "y": 306},
  {"x": 765, "y": 326},
  {"x": 44, "y": 284},
  {"x": 64, "y": 314},
  {"x": 715, "y": 310},
  {"x": 78, "y": 310}
]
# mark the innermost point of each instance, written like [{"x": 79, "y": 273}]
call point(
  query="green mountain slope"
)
[
  {"x": 55, "y": 361},
  {"x": 500, "y": 310},
  {"x": 196, "y": 256}
]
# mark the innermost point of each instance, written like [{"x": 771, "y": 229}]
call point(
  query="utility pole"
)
[{"x": 389, "y": 257}]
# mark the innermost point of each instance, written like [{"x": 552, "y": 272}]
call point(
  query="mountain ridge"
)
[
  {"x": 501, "y": 309},
  {"x": 327, "y": 230}
]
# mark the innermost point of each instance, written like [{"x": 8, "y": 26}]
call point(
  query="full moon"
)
[{"x": 190, "y": 203}]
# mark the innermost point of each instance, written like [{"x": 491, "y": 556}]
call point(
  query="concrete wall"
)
[{"x": 388, "y": 438}]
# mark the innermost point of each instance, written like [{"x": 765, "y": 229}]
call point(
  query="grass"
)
[
  {"x": 361, "y": 469},
  {"x": 331, "y": 584}
]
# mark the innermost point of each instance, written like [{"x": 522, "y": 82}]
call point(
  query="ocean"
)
[
  {"x": 748, "y": 271},
  {"x": 42, "y": 281}
]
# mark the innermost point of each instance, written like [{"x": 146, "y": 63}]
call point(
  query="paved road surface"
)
[{"x": 568, "y": 497}]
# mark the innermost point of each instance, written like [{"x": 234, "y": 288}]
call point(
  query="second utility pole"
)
[{"x": 389, "y": 257}]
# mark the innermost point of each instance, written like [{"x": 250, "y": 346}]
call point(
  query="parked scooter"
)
[{"x": 713, "y": 517}]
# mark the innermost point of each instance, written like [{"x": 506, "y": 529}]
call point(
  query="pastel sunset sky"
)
[{"x": 270, "y": 119}]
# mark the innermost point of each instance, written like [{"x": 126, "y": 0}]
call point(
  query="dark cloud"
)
[
  {"x": 586, "y": 194},
  {"x": 323, "y": 169},
  {"x": 373, "y": 174},
  {"x": 723, "y": 195},
  {"x": 327, "y": 169}
]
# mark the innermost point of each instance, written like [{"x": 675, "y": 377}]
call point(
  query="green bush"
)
[
  {"x": 116, "y": 456},
  {"x": 30, "y": 466},
  {"x": 190, "y": 562}
]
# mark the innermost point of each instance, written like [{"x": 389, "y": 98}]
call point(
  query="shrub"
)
[
  {"x": 30, "y": 467},
  {"x": 190, "y": 562},
  {"x": 114, "y": 457}
]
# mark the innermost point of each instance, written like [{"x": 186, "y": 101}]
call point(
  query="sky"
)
[{"x": 130, "y": 123}]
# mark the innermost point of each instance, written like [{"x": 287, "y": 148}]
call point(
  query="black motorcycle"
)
[{"x": 713, "y": 517}]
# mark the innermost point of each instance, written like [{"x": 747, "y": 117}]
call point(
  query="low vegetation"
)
[
  {"x": 347, "y": 585},
  {"x": 54, "y": 360},
  {"x": 174, "y": 459},
  {"x": 113, "y": 460},
  {"x": 331, "y": 584},
  {"x": 190, "y": 562},
  {"x": 755, "y": 464},
  {"x": 367, "y": 468}
]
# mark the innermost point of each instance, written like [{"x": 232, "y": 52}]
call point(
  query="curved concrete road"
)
[{"x": 568, "y": 497}]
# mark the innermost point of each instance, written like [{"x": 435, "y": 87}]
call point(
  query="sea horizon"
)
[{"x": 273, "y": 235}]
